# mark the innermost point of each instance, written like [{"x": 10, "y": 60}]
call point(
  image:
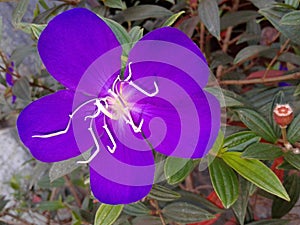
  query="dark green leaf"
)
[
  {"x": 262, "y": 151},
  {"x": 249, "y": 52},
  {"x": 120, "y": 32},
  {"x": 171, "y": 20},
  {"x": 255, "y": 122},
  {"x": 107, "y": 214},
  {"x": 161, "y": 193},
  {"x": 256, "y": 172},
  {"x": 240, "y": 205},
  {"x": 177, "y": 169},
  {"x": 200, "y": 201},
  {"x": 142, "y": 12},
  {"x": 274, "y": 15},
  {"x": 3, "y": 202},
  {"x": 136, "y": 209},
  {"x": 146, "y": 220},
  {"x": 293, "y": 159},
  {"x": 21, "y": 89},
  {"x": 270, "y": 222},
  {"x": 51, "y": 205},
  {"x": 236, "y": 18},
  {"x": 115, "y": 4},
  {"x": 45, "y": 183},
  {"x": 240, "y": 141},
  {"x": 292, "y": 18},
  {"x": 293, "y": 131},
  {"x": 183, "y": 212},
  {"x": 262, "y": 3},
  {"x": 224, "y": 181},
  {"x": 281, "y": 207},
  {"x": 208, "y": 12},
  {"x": 44, "y": 16},
  {"x": 19, "y": 11},
  {"x": 226, "y": 98}
]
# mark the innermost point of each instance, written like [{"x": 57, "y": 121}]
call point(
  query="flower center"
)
[{"x": 113, "y": 106}]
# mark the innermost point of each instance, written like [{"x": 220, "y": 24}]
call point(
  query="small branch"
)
[
  {"x": 282, "y": 48},
  {"x": 293, "y": 76},
  {"x": 73, "y": 190},
  {"x": 154, "y": 203}
]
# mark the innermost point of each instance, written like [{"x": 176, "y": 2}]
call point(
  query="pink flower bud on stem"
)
[{"x": 283, "y": 116}]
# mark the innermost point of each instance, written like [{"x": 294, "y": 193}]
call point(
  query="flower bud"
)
[{"x": 283, "y": 114}]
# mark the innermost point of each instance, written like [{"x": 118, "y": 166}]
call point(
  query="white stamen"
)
[
  {"x": 96, "y": 143},
  {"x": 111, "y": 150},
  {"x": 97, "y": 113},
  {"x": 143, "y": 91},
  {"x": 130, "y": 72},
  {"x": 69, "y": 123}
]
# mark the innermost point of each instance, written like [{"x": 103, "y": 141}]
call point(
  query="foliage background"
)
[{"x": 251, "y": 46}]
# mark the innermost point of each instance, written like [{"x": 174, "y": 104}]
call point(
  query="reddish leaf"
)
[{"x": 279, "y": 173}]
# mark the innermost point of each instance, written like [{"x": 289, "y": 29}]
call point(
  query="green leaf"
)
[
  {"x": 162, "y": 193},
  {"x": 294, "y": 3},
  {"x": 274, "y": 16},
  {"x": 136, "y": 33},
  {"x": 183, "y": 212},
  {"x": 240, "y": 141},
  {"x": 19, "y": 11},
  {"x": 51, "y": 205},
  {"x": 142, "y": 12},
  {"x": 257, "y": 173},
  {"x": 224, "y": 181},
  {"x": 107, "y": 214},
  {"x": 297, "y": 91},
  {"x": 293, "y": 159},
  {"x": 20, "y": 53},
  {"x": 218, "y": 145},
  {"x": 255, "y": 122},
  {"x": 292, "y": 18},
  {"x": 240, "y": 206},
  {"x": 120, "y": 32},
  {"x": 293, "y": 131},
  {"x": 37, "y": 29},
  {"x": 270, "y": 222},
  {"x": 262, "y": 151},
  {"x": 115, "y": 4},
  {"x": 22, "y": 90},
  {"x": 208, "y": 12},
  {"x": 235, "y": 18},
  {"x": 281, "y": 207},
  {"x": 171, "y": 20},
  {"x": 59, "y": 169},
  {"x": 136, "y": 209},
  {"x": 249, "y": 52},
  {"x": 177, "y": 169}
]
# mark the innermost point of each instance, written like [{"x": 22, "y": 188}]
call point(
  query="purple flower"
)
[{"x": 157, "y": 102}]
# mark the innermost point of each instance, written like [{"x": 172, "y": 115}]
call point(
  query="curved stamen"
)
[
  {"x": 111, "y": 150},
  {"x": 96, "y": 143},
  {"x": 68, "y": 125},
  {"x": 143, "y": 91},
  {"x": 130, "y": 72}
]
